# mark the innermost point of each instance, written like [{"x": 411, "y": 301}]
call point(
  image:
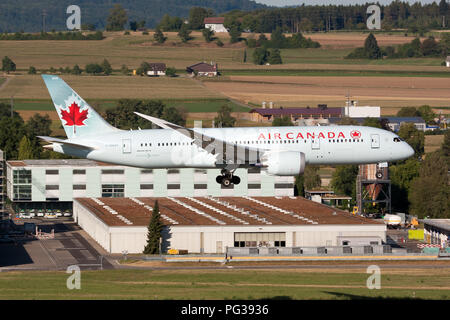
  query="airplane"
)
[{"x": 282, "y": 151}]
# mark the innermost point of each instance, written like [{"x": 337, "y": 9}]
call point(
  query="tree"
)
[
  {"x": 426, "y": 113},
  {"x": 414, "y": 137},
  {"x": 224, "y": 118},
  {"x": 299, "y": 186},
  {"x": 260, "y": 56},
  {"x": 446, "y": 145},
  {"x": 11, "y": 132},
  {"x": 32, "y": 70},
  {"x": 235, "y": 33},
  {"x": 117, "y": 18},
  {"x": 430, "y": 191},
  {"x": 171, "y": 72},
  {"x": 8, "y": 65},
  {"x": 197, "y": 15},
  {"x": 37, "y": 125},
  {"x": 277, "y": 38},
  {"x": 25, "y": 149},
  {"x": 401, "y": 175},
  {"x": 159, "y": 36},
  {"x": 155, "y": 228},
  {"x": 184, "y": 34},
  {"x": 408, "y": 112},
  {"x": 106, "y": 67},
  {"x": 122, "y": 116},
  {"x": 274, "y": 56},
  {"x": 76, "y": 70},
  {"x": 312, "y": 178},
  {"x": 173, "y": 115},
  {"x": 371, "y": 47},
  {"x": 344, "y": 180},
  {"x": 282, "y": 121},
  {"x": 124, "y": 70},
  {"x": 208, "y": 34},
  {"x": 430, "y": 47},
  {"x": 94, "y": 68},
  {"x": 133, "y": 25}
]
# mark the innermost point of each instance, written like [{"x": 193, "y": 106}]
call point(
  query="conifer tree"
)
[{"x": 154, "y": 232}]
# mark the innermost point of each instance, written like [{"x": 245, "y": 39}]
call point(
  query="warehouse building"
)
[
  {"x": 212, "y": 224},
  {"x": 54, "y": 183}
]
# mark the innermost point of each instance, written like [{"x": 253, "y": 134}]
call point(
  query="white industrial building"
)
[
  {"x": 37, "y": 183},
  {"x": 211, "y": 224}
]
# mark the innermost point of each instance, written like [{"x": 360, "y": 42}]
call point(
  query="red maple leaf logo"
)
[
  {"x": 74, "y": 117},
  {"x": 355, "y": 134}
]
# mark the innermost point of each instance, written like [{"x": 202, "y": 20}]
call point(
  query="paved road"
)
[{"x": 69, "y": 247}]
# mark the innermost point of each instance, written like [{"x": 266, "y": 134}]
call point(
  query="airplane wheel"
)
[
  {"x": 236, "y": 180},
  {"x": 219, "y": 179},
  {"x": 226, "y": 182},
  {"x": 379, "y": 175}
]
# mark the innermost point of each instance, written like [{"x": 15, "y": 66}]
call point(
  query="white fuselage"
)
[{"x": 166, "y": 148}]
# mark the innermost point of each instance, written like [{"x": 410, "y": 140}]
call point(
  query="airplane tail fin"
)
[{"x": 78, "y": 118}]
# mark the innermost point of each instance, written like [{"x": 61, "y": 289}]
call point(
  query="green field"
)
[
  {"x": 220, "y": 284},
  {"x": 199, "y": 105}
]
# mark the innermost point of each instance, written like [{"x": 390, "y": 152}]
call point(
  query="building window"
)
[
  {"x": 51, "y": 172},
  {"x": 254, "y": 170},
  {"x": 284, "y": 185},
  {"x": 200, "y": 171},
  {"x": 52, "y": 187},
  {"x": 22, "y": 192},
  {"x": 113, "y": 171},
  {"x": 79, "y": 187},
  {"x": 200, "y": 186},
  {"x": 146, "y": 186},
  {"x": 254, "y": 186},
  {"x": 22, "y": 176},
  {"x": 173, "y": 186},
  {"x": 79, "y": 171},
  {"x": 113, "y": 190},
  {"x": 171, "y": 171},
  {"x": 146, "y": 171}
]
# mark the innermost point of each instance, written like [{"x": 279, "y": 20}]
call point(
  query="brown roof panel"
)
[{"x": 219, "y": 211}]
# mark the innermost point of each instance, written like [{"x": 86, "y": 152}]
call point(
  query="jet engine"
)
[{"x": 286, "y": 163}]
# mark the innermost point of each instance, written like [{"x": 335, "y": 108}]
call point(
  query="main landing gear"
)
[{"x": 227, "y": 178}]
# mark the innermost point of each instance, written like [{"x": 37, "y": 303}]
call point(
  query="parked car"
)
[
  {"x": 40, "y": 213},
  {"x": 67, "y": 213},
  {"x": 32, "y": 213},
  {"x": 58, "y": 213},
  {"x": 24, "y": 215},
  {"x": 50, "y": 214}
]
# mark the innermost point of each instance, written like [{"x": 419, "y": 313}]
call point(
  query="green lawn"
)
[{"x": 220, "y": 284}]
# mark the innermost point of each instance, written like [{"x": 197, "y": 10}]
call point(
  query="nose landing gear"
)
[{"x": 227, "y": 178}]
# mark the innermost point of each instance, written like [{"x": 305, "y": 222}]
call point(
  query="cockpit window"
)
[{"x": 398, "y": 139}]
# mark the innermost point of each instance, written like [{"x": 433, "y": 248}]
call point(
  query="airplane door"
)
[
  {"x": 126, "y": 145},
  {"x": 375, "y": 141},
  {"x": 315, "y": 144}
]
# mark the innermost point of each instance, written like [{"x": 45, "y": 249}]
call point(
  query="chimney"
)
[
  {"x": 271, "y": 105},
  {"x": 263, "y": 104}
]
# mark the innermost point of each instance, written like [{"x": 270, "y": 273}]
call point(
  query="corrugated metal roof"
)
[{"x": 219, "y": 211}]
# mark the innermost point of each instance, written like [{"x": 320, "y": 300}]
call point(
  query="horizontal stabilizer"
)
[{"x": 66, "y": 142}]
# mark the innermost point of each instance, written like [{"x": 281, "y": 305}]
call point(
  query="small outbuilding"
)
[
  {"x": 157, "y": 69},
  {"x": 447, "y": 62}
]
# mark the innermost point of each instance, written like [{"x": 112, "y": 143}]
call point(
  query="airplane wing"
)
[
  {"x": 65, "y": 142},
  {"x": 226, "y": 151}
]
